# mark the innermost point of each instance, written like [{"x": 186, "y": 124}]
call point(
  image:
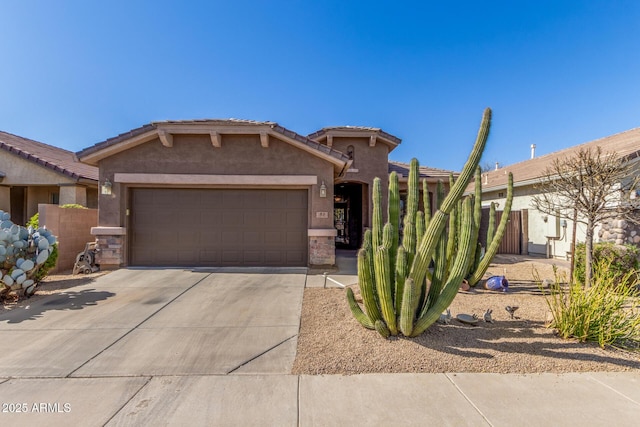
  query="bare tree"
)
[{"x": 590, "y": 187}]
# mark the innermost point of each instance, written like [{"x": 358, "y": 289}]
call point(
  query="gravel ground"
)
[{"x": 331, "y": 341}]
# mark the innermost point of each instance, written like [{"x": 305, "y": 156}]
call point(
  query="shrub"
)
[
  {"x": 33, "y": 221},
  {"x": 604, "y": 313},
  {"x": 621, "y": 262},
  {"x": 73, "y": 206}
]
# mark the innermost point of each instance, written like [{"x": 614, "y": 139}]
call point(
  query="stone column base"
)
[
  {"x": 110, "y": 245},
  {"x": 322, "y": 247}
]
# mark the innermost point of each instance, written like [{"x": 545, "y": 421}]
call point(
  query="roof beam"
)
[
  {"x": 329, "y": 140},
  {"x": 216, "y": 139},
  {"x": 372, "y": 141},
  {"x": 165, "y": 138},
  {"x": 264, "y": 139}
]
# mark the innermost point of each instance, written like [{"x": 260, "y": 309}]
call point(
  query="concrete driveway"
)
[
  {"x": 159, "y": 322},
  {"x": 96, "y": 346}
]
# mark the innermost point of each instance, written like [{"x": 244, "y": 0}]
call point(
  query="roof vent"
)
[
  {"x": 533, "y": 150},
  {"x": 497, "y": 166}
]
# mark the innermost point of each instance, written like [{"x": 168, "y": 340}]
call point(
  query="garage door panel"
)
[
  {"x": 294, "y": 219},
  {"x": 166, "y": 256},
  {"x": 187, "y": 256},
  {"x": 296, "y": 200},
  {"x": 252, "y": 239},
  {"x": 231, "y": 257},
  {"x": 209, "y": 227},
  {"x": 274, "y": 239},
  {"x": 253, "y": 257},
  {"x": 276, "y": 219},
  {"x": 210, "y": 239},
  {"x": 295, "y": 257},
  {"x": 294, "y": 238},
  {"x": 232, "y": 219},
  {"x": 188, "y": 238},
  {"x": 209, "y": 257},
  {"x": 274, "y": 257},
  {"x": 230, "y": 239},
  {"x": 210, "y": 216},
  {"x": 211, "y": 200},
  {"x": 253, "y": 219}
]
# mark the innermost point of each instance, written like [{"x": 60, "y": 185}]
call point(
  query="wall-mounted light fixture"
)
[
  {"x": 106, "y": 187},
  {"x": 323, "y": 190}
]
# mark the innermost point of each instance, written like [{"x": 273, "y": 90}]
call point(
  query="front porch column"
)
[
  {"x": 322, "y": 246},
  {"x": 110, "y": 244},
  {"x": 73, "y": 194}
]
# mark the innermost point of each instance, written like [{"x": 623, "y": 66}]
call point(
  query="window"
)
[{"x": 54, "y": 198}]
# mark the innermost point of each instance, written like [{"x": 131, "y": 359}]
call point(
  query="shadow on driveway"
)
[{"x": 70, "y": 300}]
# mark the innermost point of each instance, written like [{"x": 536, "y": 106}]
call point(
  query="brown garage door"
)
[{"x": 214, "y": 227}]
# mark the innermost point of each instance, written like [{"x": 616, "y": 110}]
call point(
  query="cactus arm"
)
[
  {"x": 377, "y": 213},
  {"x": 458, "y": 272},
  {"x": 451, "y": 235},
  {"x": 410, "y": 300},
  {"x": 357, "y": 312},
  {"x": 393, "y": 213},
  {"x": 439, "y": 275},
  {"x": 387, "y": 236},
  {"x": 409, "y": 239},
  {"x": 367, "y": 287},
  {"x": 413, "y": 189},
  {"x": 491, "y": 230},
  {"x": 492, "y": 248},
  {"x": 383, "y": 277},
  {"x": 424, "y": 253},
  {"x": 420, "y": 227},
  {"x": 382, "y": 328},
  {"x": 402, "y": 269},
  {"x": 426, "y": 201},
  {"x": 477, "y": 213}
]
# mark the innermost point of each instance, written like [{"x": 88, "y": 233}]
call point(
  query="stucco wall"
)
[
  {"x": 370, "y": 162},
  {"x": 194, "y": 154},
  {"x": 20, "y": 171},
  {"x": 540, "y": 225},
  {"x": 72, "y": 228}
]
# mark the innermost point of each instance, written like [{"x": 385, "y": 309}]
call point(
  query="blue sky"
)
[{"x": 555, "y": 73}]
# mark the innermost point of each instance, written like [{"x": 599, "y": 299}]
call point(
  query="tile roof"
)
[
  {"x": 48, "y": 156},
  {"x": 402, "y": 169},
  {"x": 624, "y": 144},
  {"x": 385, "y": 135},
  {"x": 215, "y": 122}
]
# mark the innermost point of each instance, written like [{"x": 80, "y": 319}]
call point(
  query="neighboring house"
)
[
  {"x": 549, "y": 235},
  {"x": 237, "y": 192},
  {"x": 32, "y": 173}
]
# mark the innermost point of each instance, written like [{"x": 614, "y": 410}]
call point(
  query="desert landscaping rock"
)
[{"x": 331, "y": 341}]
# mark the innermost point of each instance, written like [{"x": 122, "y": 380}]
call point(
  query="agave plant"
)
[{"x": 23, "y": 251}]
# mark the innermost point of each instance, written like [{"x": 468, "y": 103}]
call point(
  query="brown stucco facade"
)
[
  {"x": 225, "y": 155},
  {"x": 330, "y": 171}
]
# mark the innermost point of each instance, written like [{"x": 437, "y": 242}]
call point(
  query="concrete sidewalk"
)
[
  {"x": 215, "y": 347},
  {"x": 594, "y": 399}
]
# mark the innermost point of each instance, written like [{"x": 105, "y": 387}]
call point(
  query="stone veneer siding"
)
[
  {"x": 620, "y": 231},
  {"x": 110, "y": 245},
  {"x": 322, "y": 250}
]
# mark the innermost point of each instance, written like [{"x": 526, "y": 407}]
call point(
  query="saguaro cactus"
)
[{"x": 399, "y": 292}]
